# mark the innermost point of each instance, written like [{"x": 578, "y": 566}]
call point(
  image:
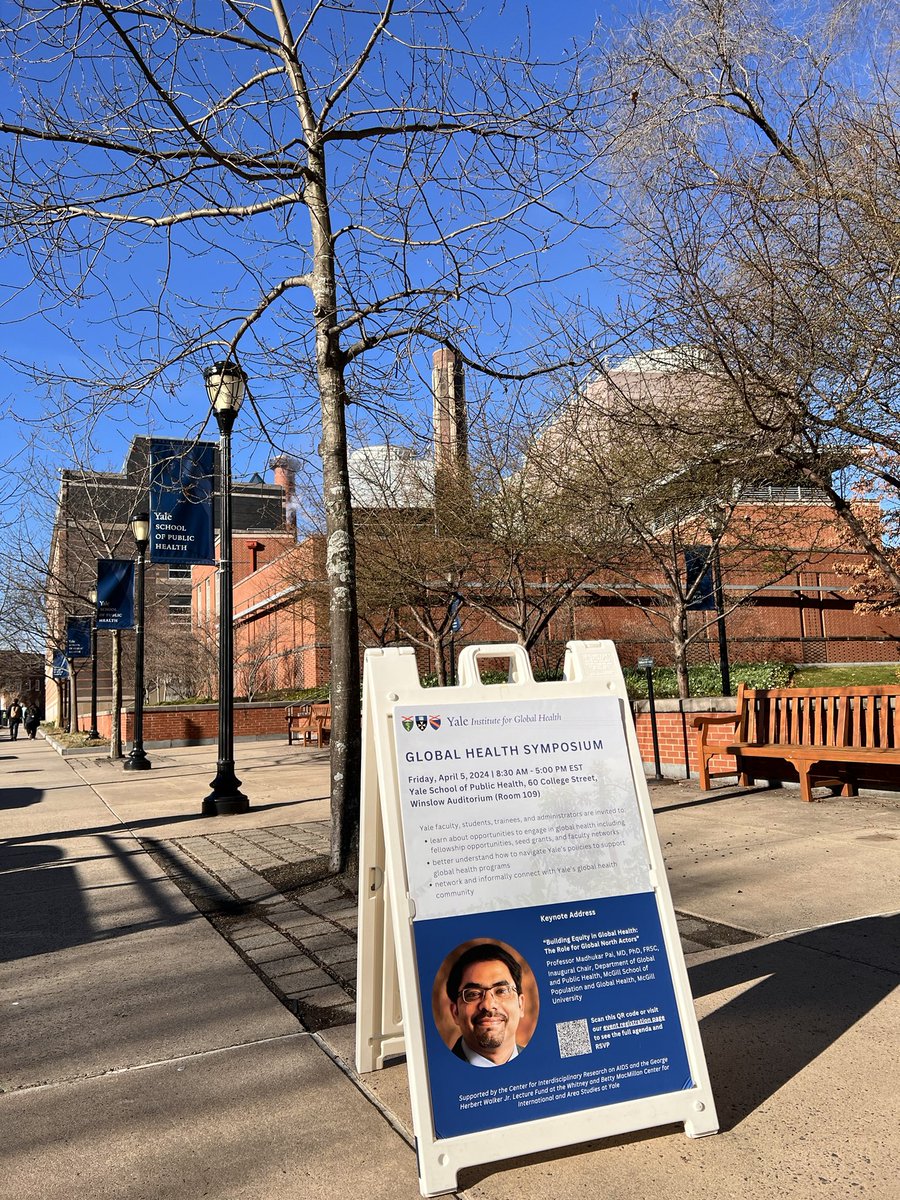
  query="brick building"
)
[
  {"x": 803, "y": 612},
  {"x": 809, "y": 616},
  {"x": 92, "y": 520}
]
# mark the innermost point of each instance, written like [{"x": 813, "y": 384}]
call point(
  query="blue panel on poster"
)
[
  {"x": 181, "y": 513},
  {"x": 597, "y": 1023}
]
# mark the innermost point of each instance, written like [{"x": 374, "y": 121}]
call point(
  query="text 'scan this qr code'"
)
[{"x": 574, "y": 1037}]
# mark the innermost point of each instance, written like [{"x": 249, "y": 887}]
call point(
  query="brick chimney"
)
[
  {"x": 286, "y": 479},
  {"x": 451, "y": 425}
]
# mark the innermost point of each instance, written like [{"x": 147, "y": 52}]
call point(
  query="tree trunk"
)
[
  {"x": 679, "y": 646},
  {"x": 340, "y": 560},
  {"x": 440, "y": 662},
  {"x": 340, "y": 546}
]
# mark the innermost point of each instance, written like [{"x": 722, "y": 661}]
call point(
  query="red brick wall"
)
[
  {"x": 199, "y": 724},
  {"x": 196, "y": 723},
  {"x": 677, "y": 735}
]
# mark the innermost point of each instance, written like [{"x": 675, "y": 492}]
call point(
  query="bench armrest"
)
[
  {"x": 706, "y": 751},
  {"x": 704, "y": 719}
]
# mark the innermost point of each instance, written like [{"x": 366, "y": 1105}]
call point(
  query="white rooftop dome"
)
[{"x": 390, "y": 477}]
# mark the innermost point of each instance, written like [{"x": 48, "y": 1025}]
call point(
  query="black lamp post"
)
[
  {"x": 719, "y": 593},
  {"x": 225, "y": 385},
  {"x": 646, "y": 664},
  {"x": 137, "y": 760},
  {"x": 452, "y": 609},
  {"x": 93, "y": 730},
  {"x": 717, "y": 525}
]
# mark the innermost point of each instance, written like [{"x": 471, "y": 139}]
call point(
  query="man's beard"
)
[{"x": 489, "y": 1037}]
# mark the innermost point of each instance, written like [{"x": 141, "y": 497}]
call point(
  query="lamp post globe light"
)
[
  {"x": 137, "y": 760},
  {"x": 225, "y": 386},
  {"x": 94, "y": 734}
]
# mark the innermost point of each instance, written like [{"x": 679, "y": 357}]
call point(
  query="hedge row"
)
[{"x": 706, "y": 680}]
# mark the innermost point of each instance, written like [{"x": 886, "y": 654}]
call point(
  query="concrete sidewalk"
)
[
  {"x": 141, "y": 1057},
  {"x": 149, "y": 1050}
]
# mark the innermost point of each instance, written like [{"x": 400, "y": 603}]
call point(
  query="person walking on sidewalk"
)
[
  {"x": 31, "y": 719},
  {"x": 15, "y": 717}
]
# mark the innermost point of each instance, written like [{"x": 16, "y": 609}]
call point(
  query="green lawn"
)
[{"x": 845, "y": 676}]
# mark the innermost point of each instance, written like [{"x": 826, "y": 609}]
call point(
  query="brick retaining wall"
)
[
  {"x": 677, "y": 737},
  {"x": 197, "y": 724}
]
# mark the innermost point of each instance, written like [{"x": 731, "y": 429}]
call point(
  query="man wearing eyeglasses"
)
[{"x": 486, "y": 1002}]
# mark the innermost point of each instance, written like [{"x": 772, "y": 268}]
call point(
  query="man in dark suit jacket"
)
[{"x": 485, "y": 991}]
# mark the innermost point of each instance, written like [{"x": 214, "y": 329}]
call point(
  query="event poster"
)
[
  {"x": 538, "y": 942},
  {"x": 115, "y": 593},
  {"x": 181, "y": 508}
]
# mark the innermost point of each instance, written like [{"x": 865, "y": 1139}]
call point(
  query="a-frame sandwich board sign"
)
[{"x": 515, "y": 914}]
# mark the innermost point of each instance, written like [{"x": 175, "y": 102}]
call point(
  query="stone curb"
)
[{"x": 304, "y": 953}]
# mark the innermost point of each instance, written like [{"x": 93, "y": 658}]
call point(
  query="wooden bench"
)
[
  {"x": 839, "y": 737},
  {"x": 308, "y": 723}
]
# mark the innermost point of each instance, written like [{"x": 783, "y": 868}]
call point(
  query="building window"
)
[
  {"x": 778, "y": 494},
  {"x": 180, "y": 608},
  {"x": 179, "y": 572}
]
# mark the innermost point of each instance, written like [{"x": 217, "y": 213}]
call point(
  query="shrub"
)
[
  {"x": 706, "y": 680},
  {"x": 763, "y": 675}
]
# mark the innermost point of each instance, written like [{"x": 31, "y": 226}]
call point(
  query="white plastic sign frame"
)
[{"x": 395, "y": 1005}]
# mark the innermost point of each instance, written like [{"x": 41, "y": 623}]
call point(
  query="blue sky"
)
[{"x": 75, "y": 341}]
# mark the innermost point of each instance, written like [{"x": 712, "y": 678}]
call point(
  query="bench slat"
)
[{"x": 844, "y": 754}]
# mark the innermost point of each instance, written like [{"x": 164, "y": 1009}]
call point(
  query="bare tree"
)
[
  {"x": 409, "y": 580},
  {"x": 256, "y": 663},
  {"x": 758, "y": 195},
  {"x": 533, "y": 546},
  {"x": 343, "y": 174},
  {"x": 645, "y": 470},
  {"x": 409, "y": 517},
  {"x": 178, "y": 658}
]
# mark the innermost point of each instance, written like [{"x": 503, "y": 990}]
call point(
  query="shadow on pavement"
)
[
  {"x": 41, "y": 903},
  {"x": 20, "y": 797},
  {"x": 42, "y": 898},
  {"x": 729, "y": 793},
  {"x": 806, "y": 992},
  {"x": 148, "y": 823}
]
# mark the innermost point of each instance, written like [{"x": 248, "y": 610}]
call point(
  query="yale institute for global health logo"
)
[{"x": 421, "y": 722}]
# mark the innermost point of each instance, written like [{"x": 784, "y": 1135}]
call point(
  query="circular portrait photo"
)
[{"x": 485, "y": 1003}]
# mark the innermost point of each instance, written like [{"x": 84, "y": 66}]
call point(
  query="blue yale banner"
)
[
  {"x": 699, "y": 571},
  {"x": 78, "y": 637},
  {"x": 60, "y": 669},
  {"x": 181, "y": 509},
  {"x": 115, "y": 593}
]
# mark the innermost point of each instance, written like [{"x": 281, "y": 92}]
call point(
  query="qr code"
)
[{"x": 574, "y": 1037}]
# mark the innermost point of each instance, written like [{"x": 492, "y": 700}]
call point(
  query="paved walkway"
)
[{"x": 151, "y": 1050}]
